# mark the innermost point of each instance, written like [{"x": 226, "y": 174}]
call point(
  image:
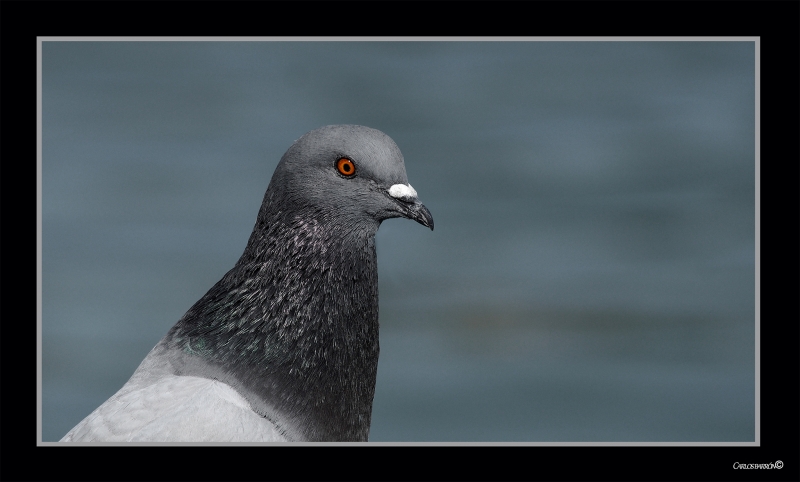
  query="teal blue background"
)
[{"x": 592, "y": 272}]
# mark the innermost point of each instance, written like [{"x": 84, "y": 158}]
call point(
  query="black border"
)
[{"x": 775, "y": 22}]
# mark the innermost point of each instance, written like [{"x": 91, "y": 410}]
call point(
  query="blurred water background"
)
[{"x": 592, "y": 272}]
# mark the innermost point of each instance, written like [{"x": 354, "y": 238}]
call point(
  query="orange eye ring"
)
[{"x": 345, "y": 167}]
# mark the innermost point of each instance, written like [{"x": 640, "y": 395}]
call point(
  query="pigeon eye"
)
[{"x": 345, "y": 167}]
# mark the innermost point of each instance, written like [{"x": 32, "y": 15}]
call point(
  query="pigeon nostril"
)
[
  {"x": 345, "y": 166},
  {"x": 403, "y": 192}
]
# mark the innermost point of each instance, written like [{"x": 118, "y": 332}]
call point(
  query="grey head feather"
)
[{"x": 293, "y": 326}]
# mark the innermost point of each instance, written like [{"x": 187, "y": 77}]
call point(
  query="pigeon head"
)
[{"x": 350, "y": 173}]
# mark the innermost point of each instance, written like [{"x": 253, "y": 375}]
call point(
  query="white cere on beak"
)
[{"x": 403, "y": 192}]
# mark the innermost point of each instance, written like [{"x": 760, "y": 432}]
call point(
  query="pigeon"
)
[{"x": 284, "y": 348}]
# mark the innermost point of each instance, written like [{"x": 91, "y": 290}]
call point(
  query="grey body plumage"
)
[{"x": 293, "y": 326}]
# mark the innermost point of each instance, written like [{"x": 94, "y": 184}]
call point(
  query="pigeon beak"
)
[
  {"x": 419, "y": 213},
  {"x": 412, "y": 208}
]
